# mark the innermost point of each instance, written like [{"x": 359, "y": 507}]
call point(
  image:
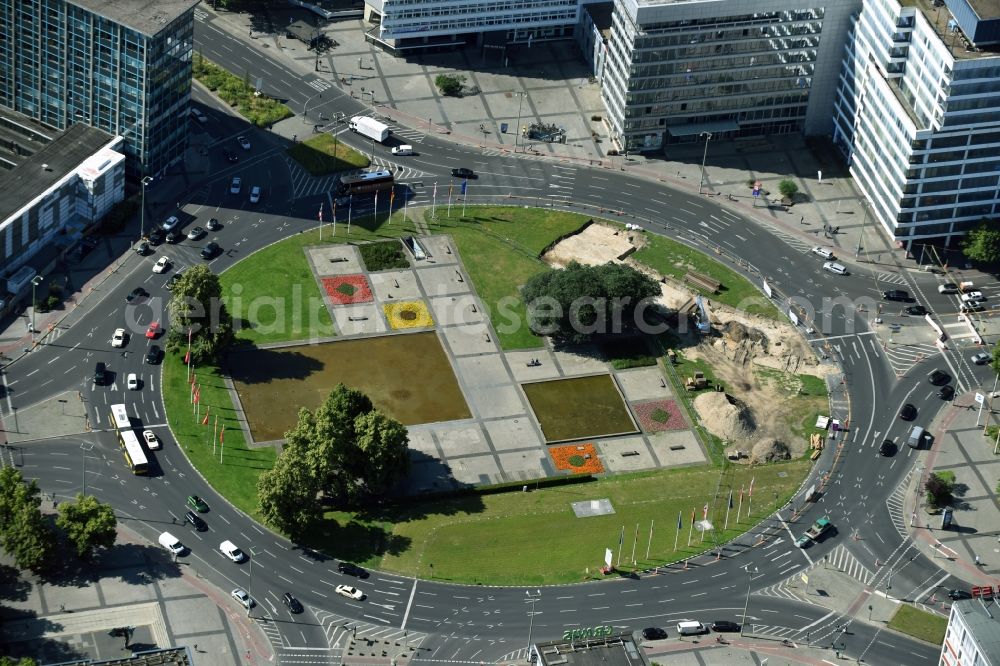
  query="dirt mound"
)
[
  {"x": 768, "y": 450},
  {"x": 724, "y": 416},
  {"x": 738, "y": 332}
]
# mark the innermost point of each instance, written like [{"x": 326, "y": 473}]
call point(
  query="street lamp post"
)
[
  {"x": 86, "y": 447},
  {"x": 35, "y": 281},
  {"x": 517, "y": 127},
  {"x": 857, "y": 251},
  {"x": 704, "y": 156},
  {"x": 746, "y": 604},
  {"x": 253, "y": 556},
  {"x": 531, "y": 599},
  {"x": 142, "y": 209}
]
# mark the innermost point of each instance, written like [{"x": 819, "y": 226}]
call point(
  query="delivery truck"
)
[{"x": 370, "y": 128}]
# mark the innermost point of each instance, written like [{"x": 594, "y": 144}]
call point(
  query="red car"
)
[{"x": 153, "y": 331}]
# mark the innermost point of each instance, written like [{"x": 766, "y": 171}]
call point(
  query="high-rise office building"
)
[
  {"x": 123, "y": 66},
  {"x": 973, "y": 634},
  {"x": 918, "y": 115}
]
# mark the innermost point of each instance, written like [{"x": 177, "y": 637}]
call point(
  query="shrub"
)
[
  {"x": 383, "y": 256},
  {"x": 939, "y": 487},
  {"x": 788, "y": 188},
  {"x": 450, "y": 84}
]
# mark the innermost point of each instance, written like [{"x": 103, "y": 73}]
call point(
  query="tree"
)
[
  {"x": 580, "y": 301},
  {"x": 382, "y": 445},
  {"x": 983, "y": 243},
  {"x": 995, "y": 363},
  {"x": 788, "y": 188},
  {"x": 939, "y": 487},
  {"x": 23, "y": 661},
  {"x": 450, "y": 84},
  {"x": 28, "y": 538},
  {"x": 196, "y": 305},
  {"x": 288, "y": 494},
  {"x": 88, "y": 524}
]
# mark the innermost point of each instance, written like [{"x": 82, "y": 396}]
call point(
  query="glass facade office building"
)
[{"x": 121, "y": 66}]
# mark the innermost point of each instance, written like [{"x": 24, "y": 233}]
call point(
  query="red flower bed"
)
[
  {"x": 347, "y": 289},
  {"x": 577, "y": 458},
  {"x": 658, "y": 415}
]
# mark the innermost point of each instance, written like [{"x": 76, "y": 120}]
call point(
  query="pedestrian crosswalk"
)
[
  {"x": 839, "y": 559},
  {"x": 896, "y": 503},
  {"x": 842, "y": 560},
  {"x": 891, "y": 278},
  {"x": 350, "y": 637},
  {"x": 200, "y": 15},
  {"x": 903, "y": 357},
  {"x": 319, "y": 84}
]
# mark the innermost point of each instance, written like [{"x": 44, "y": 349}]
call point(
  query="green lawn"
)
[
  {"x": 919, "y": 624},
  {"x": 675, "y": 259},
  {"x": 324, "y": 154}
]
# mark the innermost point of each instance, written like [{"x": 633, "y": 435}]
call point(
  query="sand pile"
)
[
  {"x": 768, "y": 450},
  {"x": 724, "y": 416}
]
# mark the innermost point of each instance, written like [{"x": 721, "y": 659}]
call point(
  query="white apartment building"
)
[
  {"x": 973, "y": 634},
  {"x": 680, "y": 68},
  {"x": 918, "y": 115}
]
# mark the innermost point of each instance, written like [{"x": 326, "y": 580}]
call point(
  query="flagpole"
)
[
  {"x": 375, "y": 214},
  {"x": 740, "y": 509},
  {"x": 222, "y": 442},
  {"x": 450, "y": 186},
  {"x": 215, "y": 434},
  {"x": 392, "y": 199},
  {"x": 728, "y": 509},
  {"x": 750, "y": 496},
  {"x": 620, "y": 540},
  {"x": 434, "y": 202},
  {"x": 691, "y": 529},
  {"x": 187, "y": 359},
  {"x": 321, "y": 221},
  {"x": 465, "y": 195},
  {"x": 635, "y": 541},
  {"x": 704, "y": 519},
  {"x": 350, "y": 204},
  {"x": 334, "y": 205},
  {"x": 650, "y": 542},
  {"x": 680, "y": 525},
  {"x": 406, "y": 200}
]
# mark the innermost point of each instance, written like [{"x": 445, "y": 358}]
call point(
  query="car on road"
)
[
  {"x": 195, "y": 521},
  {"x": 948, "y": 288},
  {"x": 351, "y": 569},
  {"x": 174, "y": 236},
  {"x": 241, "y": 596},
  {"x": 196, "y": 233},
  {"x": 230, "y": 155},
  {"x": 350, "y": 592},
  {"x": 974, "y": 306},
  {"x": 172, "y": 543},
  {"x": 982, "y": 358},
  {"x": 916, "y": 310},
  {"x": 174, "y": 279},
  {"x": 463, "y": 172},
  {"x": 244, "y": 142},
  {"x": 210, "y": 250},
  {"x": 946, "y": 392},
  {"x": 142, "y": 249},
  {"x": 970, "y": 296},
  {"x": 230, "y": 550},
  {"x": 197, "y": 503},
  {"x": 887, "y": 448},
  {"x": 132, "y": 381},
  {"x": 161, "y": 265},
  {"x": 154, "y": 330},
  {"x": 152, "y": 441},
  {"x": 291, "y": 603},
  {"x": 653, "y": 634},
  {"x": 136, "y": 294},
  {"x": 198, "y": 115},
  {"x": 803, "y": 541},
  {"x": 170, "y": 223},
  {"x": 155, "y": 236},
  {"x": 896, "y": 295},
  {"x": 938, "y": 377},
  {"x": 153, "y": 354},
  {"x": 100, "y": 374},
  {"x": 118, "y": 338},
  {"x": 255, "y": 194},
  {"x": 823, "y": 252},
  {"x": 958, "y": 595},
  {"x": 908, "y": 412},
  {"x": 236, "y": 185},
  {"x": 213, "y": 224},
  {"x": 725, "y": 625},
  {"x": 834, "y": 267}
]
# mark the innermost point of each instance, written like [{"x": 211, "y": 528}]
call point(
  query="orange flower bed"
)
[{"x": 577, "y": 458}]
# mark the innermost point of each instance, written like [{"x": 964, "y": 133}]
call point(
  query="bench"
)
[{"x": 703, "y": 281}]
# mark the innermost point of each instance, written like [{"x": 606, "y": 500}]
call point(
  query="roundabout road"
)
[{"x": 456, "y": 623}]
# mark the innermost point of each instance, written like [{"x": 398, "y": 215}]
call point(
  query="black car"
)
[
  {"x": 174, "y": 279},
  {"x": 958, "y": 595},
  {"x": 947, "y": 392},
  {"x": 136, "y": 294},
  {"x": 174, "y": 236},
  {"x": 896, "y": 295},
  {"x": 938, "y": 377},
  {"x": 916, "y": 310},
  {"x": 887, "y": 448},
  {"x": 196, "y": 521},
  {"x": 291, "y": 602},
  {"x": 653, "y": 634},
  {"x": 908, "y": 412},
  {"x": 462, "y": 172},
  {"x": 725, "y": 625},
  {"x": 351, "y": 569},
  {"x": 100, "y": 374},
  {"x": 230, "y": 155},
  {"x": 155, "y": 236},
  {"x": 213, "y": 225},
  {"x": 142, "y": 249},
  {"x": 153, "y": 355},
  {"x": 210, "y": 250}
]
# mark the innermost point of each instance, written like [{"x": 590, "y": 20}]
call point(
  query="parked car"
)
[
  {"x": 350, "y": 592},
  {"x": 155, "y": 236},
  {"x": 174, "y": 279},
  {"x": 132, "y": 381},
  {"x": 162, "y": 264},
  {"x": 948, "y": 288},
  {"x": 174, "y": 236},
  {"x": 153, "y": 354},
  {"x": 152, "y": 441},
  {"x": 653, "y": 634},
  {"x": 972, "y": 296},
  {"x": 823, "y": 252},
  {"x": 195, "y": 520},
  {"x": 982, "y": 358},
  {"x": 142, "y": 248},
  {"x": 255, "y": 194},
  {"x": 196, "y": 233},
  {"x": 210, "y": 250},
  {"x": 172, "y": 543},
  {"x": 198, "y": 115},
  {"x": 230, "y": 550},
  {"x": 834, "y": 267},
  {"x": 236, "y": 185},
  {"x": 291, "y": 603},
  {"x": 908, "y": 412},
  {"x": 100, "y": 374},
  {"x": 118, "y": 338},
  {"x": 887, "y": 448},
  {"x": 958, "y": 595},
  {"x": 915, "y": 310},
  {"x": 170, "y": 223},
  {"x": 244, "y": 142},
  {"x": 896, "y": 295},
  {"x": 463, "y": 172},
  {"x": 938, "y": 377},
  {"x": 213, "y": 224},
  {"x": 974, "y": 306},
  {"x": 946, "y": 392},
  {"x": 725, "y": 625},
  {"x": 351, "y": 569},
  {"x": 243, "y": 598},
  {"x": 197, "y": 503}
]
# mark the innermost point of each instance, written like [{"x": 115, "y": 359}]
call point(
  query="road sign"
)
[
  {"x": 980, "y": 398},
  {"x": 607, "y": 556}
]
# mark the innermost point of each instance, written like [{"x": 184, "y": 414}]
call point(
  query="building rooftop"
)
[
  {"x": 600, "y": 13},
  {"x": 146, "y": 16},
  {"x": 940, "y": 18},
  {"x": 982, "y": 617},
  {"x": 20, "y": 138},
  {"x": 48, "y": 165},
  {"x": 614, "y": 650}
]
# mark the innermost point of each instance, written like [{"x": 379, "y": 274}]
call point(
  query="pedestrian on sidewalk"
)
[{"x": 977, "y": 561}]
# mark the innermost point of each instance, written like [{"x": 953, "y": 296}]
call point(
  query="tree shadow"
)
[
  {"x": 12, "y": 586},
  {"x": 261, "y": 366},
  {"x": 45, "y": 650}
]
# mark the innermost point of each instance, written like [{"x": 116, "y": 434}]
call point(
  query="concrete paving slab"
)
[
  {"x": 513, "y": 433},
  {"x": 427, "y": 475},
  {"x": 452, "y": 310},
  {"x": 440, "y": 249},
  {"x": 72, "y": 597},
  {"x": 59, "y": 416},
  {"x": 643, "y": 384},
  {"x": 613, "y": 454},
  {"x": 572, "y": 363},
  {"x": 117, "y": 591},
  {"x": 460, "y": 440},
  {"x": 443, "y": 281},
  {"x": 475, "y": 470},
  {"x": 334, "y": 260},
  {"x": 663, "y": 444},
  {"x": 192, "y": 616},
  {"x": 469, "y": 339},
  {"x": 519, "y": 360},
  {"x": 470, "y": 109},
  {"x": 364, "y": 318},
  {"x": 480, "y": 371},
  {"x": 497, "y": 402},
  {"x": 399, "y": 285},
  {"x": 525, "y": 464}
]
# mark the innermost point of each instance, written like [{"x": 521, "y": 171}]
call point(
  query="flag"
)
[
  {"x": 451, "y": 186},
  {"x": 197, "y": 394},
  {"x": 376, "y": 200},
  {"x": 187, "y": 358},
  {"x": 730, "y": 499},
  {"x": 321, "y": 212},
  {"x": 204, "y": 421},
  {"x": 750, "y": 492},
  {"x": 741, "y": 494},
  {"x": 622, "y": 537},
  {"x": 465, "y": 185},
  {"x": 680, "y": 521},
  {"x": 692, "y": 516},
  {"x": 435, "y": 191},
  {"x": 222, "y": 435},
  {"x": 392, "y": 197},
  {"x": 704, "y": 513}
]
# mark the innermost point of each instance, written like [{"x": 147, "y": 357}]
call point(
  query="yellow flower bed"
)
[{"x": 408, "y": 314}]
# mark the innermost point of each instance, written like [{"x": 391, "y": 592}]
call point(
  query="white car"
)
[
  {"x": 118, "y": 338},
  {"x": 244, "y": 142},
  {"x": 236, "y": 185},
  {"x": 132, "y": 381},
  {"x": 834, "y": 267},
  {"x": 255, "y": 194},
  {"x": 161, "y": 265},
  {"x": 350, "y": 592},
  {"x": 970, "y": 296},
  {"x": 170, "y": 223},
  {"x": 241, "y": 596},
  {"x": 982, "y": 358},
  {"x": 152, "y": 441},
  {"x": 823, "y": 252},
  {"x": 230, "y": 550}
]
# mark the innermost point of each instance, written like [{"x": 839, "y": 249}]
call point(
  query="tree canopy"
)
[
  {"x": 196, "y": 305},
  {"x": 579, "y": 302},
  {"x": 983, "y": 242},
  {"x": 88, "y": 524},
  {"x": 24, "y": 533}
]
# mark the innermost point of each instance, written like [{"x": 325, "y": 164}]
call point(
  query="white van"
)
[
  {"x": 171, "y": 543},
  {"x": 915, "y": 438},
  {"x": 834, "y": 267},
  {"x": 690, "y": 628},
  {"x": 404, "y": 149},
  {"x": 823, "y": 252}
]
